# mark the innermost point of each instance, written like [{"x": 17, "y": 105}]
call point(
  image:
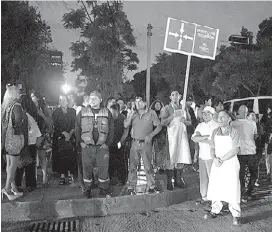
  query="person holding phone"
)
[{"x": 143, "y": 121}]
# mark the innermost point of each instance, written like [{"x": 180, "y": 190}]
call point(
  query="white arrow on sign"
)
[
  {"x": 179, "y": 43},
  {"x": 174, "y": 34},
  {"x": 181, "y": 29},
  {"x": 188, "y": 37}
]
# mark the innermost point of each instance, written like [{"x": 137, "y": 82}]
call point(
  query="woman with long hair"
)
[
  {"x": 159, "y": 142},
  {"x": 13, "y": 137},
  {"x": 46, "y": 124}
]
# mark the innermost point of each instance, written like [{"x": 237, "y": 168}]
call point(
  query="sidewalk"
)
[{"x": 59, "y": 202}]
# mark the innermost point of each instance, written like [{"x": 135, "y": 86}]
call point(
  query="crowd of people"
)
[{"x": 101, "y": 144}]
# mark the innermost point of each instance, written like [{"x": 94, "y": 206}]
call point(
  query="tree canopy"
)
[
  {"x": 25, "y": 39},
  {"x": 103, "y": 52}
]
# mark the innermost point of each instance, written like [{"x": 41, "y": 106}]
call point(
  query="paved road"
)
[{"x": 185, "y": 217}]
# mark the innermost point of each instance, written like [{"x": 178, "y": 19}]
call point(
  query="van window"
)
[
  {"x": 248, "y": 103},
  {"x": 263, "y": 105}
]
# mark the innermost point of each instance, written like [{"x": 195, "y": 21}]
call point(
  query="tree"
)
[
  {"x": 243, "y": 73},
  {"x": 139, "y": 85},
  {"x": 25, "y": 39},
  {"x": 265, "y": 31},
  {"x": 103, "y": 52}
]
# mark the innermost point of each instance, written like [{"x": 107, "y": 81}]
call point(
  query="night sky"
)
[{"x": 228, "y": 17}]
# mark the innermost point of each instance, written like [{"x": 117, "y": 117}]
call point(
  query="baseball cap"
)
[{"x": 209, "y": 109}]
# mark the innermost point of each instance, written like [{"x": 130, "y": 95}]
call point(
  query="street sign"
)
[{"x": 190, "y": 39}]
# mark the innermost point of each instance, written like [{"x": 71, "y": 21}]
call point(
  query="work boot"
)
[
  {"x": 169, "y": 174},
  {"x": 178, "y": 180}
]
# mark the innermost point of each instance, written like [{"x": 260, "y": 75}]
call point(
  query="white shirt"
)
[
  {"x": 33, "y": 130},
  {"x": 205, "y": 129},
  {"x": 247, "y": 129}
]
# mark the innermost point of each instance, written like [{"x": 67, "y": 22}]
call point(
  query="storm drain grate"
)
[{"x": 55, "y": 226}]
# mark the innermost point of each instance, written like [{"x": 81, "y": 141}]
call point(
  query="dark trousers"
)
[
  {"x": 30, "y": 170},
  {"x": 67, "y": 162},
  {"x": 118, "y": 164},
  {"x": 79, "y": 168},
  {"x": 249, "y": 161},
  {"x": 54, "y": 158},
  {"x": 191, "y": 146}
]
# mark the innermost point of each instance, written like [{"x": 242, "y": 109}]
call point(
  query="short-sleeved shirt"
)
[
  {"x": 205, "y": 129},
  {"x": 247, "y": 129},
  {"x": 143, "y": 125}
]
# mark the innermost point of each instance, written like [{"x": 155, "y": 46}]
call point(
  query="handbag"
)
[
  {"x": 25, "y": 157},
  {"x": 13, "y": 143}
]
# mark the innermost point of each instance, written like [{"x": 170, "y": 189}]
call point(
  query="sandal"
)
[{"x": 62, "y": 181}]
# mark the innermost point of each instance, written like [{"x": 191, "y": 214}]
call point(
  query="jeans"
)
[{"x": 145, "y": 151}]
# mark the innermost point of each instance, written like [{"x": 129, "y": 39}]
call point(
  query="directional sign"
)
[
  {"x": 179, "y": 36},
  {"x": 190, "y": 39}
]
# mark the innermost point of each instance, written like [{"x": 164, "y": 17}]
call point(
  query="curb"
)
[{"x": 61, "y": 209}]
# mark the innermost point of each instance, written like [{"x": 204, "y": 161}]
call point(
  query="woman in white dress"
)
[{"x": 224, "y": 183}]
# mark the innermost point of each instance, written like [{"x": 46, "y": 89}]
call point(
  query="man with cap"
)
[
  {"x": 143, "y": 121},
  {"x": 94, "y": 134},
  {"x": 178, "y": 153},
  {"x": 202, "y": 135},
  {"x": 247, "y": 154}
]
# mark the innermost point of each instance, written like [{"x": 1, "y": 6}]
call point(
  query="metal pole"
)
[
  {"x": 149, "y": 34},
  {"x": 186, "y": 81}
]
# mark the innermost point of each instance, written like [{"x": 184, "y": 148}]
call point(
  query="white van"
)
[{"x": 257, "y": 104}]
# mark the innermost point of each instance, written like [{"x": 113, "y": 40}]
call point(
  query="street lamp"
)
[{"x": 66, "y": 88}]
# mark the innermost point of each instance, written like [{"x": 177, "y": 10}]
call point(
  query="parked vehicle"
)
[{"x": 257, "y": 104}]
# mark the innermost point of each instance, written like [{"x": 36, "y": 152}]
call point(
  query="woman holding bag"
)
[
  {"x": 13, "y": 137},
  {"x": 30, "y": 151}
]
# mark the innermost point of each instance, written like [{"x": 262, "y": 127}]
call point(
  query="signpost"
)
[{"x": 190, "y": 39}]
